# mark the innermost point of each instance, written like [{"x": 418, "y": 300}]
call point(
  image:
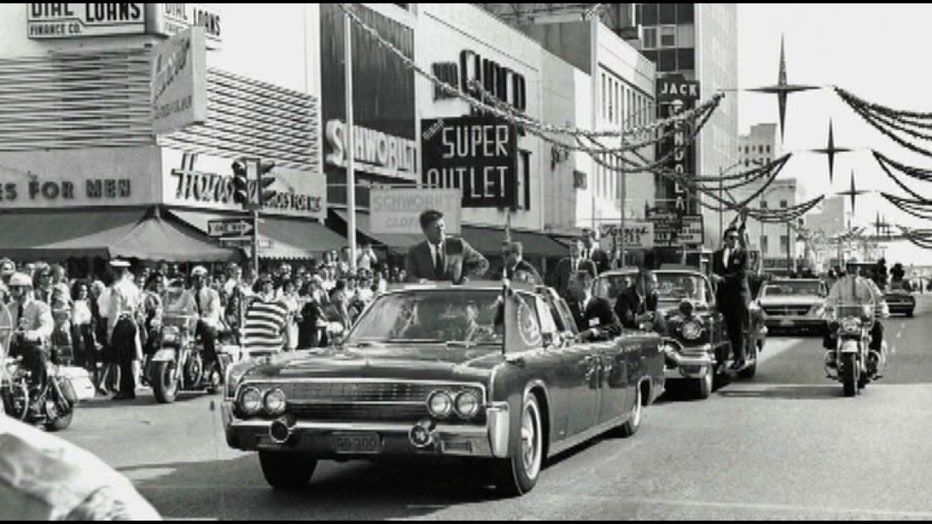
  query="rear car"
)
[
  {"x": 900, "y": 300},
  {"x": 794, "y": 304}
]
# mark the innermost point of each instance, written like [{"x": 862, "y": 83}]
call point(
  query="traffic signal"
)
[
  {"x": 240, "y": 183},
  {"x": 265, "y": 180}
]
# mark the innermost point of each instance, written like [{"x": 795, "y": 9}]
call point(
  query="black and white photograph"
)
[{"x": 465, "y": 262}]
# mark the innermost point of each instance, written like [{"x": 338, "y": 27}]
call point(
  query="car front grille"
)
[
  {"x": 366, "y": 413},
  {"x": 787, "y": 311}
]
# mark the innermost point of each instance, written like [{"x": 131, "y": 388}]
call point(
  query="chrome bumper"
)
[
  {"x": 693, "y": 362},
  {"x": 316, "y": 437},
  {"x": 794, "y": 322}
]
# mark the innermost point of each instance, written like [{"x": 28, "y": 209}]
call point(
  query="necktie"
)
[
  {"x": 575, "y": 265},
  {"x": 438, "y": 262},
  {"x": 197, "y": 302}
]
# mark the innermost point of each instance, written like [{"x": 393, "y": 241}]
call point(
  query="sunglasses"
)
[{"x": 732, "y": 237}]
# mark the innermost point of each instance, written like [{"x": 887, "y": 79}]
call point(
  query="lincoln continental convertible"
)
[{"x": 483, "y": 371}]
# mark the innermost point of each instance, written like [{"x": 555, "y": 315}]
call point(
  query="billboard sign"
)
[
  {"x": 477, "y": 155},
  {"x": 671, "y": 229},
  {"x": 638, "y": 234},
  {"x": 171, "y": 19},
  {"x": 179, "y": 81},
  {"x": 398, "y": 210},
  {"x": 675, "y": 94}
]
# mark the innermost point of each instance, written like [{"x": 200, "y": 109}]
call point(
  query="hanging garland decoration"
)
[
  {"x": 918, "y": 237},
  {"x": 864, "y": 109},
  {"x": 915, "y": 208},
  {"x": 903, "y": 186},
  {"x": 712, "y": 184},
  {"x": 534, "y": 126},
  {"x": 787, "y": 214},
  {"x": 925, "y": 175}
]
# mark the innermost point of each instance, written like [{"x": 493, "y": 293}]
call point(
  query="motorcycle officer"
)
[
  {"x": 207, "y": 302},
  {"x": 850, "y": 290},
  {"x": 32, "y": 327}
]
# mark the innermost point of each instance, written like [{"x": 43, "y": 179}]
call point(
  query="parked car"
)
[
  {"x": 440, "y": 370},
  {"x": 696, "y": 345},
  {"x": 900, "y": 299},
  {"x": 794, "y": 304}
]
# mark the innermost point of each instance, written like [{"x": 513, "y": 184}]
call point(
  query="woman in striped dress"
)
[{"x": 265, "y": 319}]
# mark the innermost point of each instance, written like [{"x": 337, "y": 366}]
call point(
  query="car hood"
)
[
  {"x": 402, "y": 362},
  {"x": 791, "y": 300}
]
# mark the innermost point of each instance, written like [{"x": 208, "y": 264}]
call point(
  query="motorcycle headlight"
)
[
  {"x": 686, "y": 307},
  {"x": 850, "y": 324},
  {"x": 274, "y": 402},
  {"x": 817, "y": 310},
  {"x": 691, "y": 330},
  {"x": 171, "y": 335},
  {"x": 467, "y": 404},
  {"x": 250, "y": 401},
  {"x": 439, "y": 404}
]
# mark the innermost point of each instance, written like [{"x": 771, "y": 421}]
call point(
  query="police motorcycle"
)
[
  {"x": 50, "y": 404},
  {"x": 850, "y": 361},
  {"x": 178, "y": 363}
]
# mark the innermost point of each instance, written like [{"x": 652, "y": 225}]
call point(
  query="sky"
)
[{"x": 878, "y": 52}]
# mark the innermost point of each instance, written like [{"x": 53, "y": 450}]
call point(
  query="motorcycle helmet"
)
[
  {"x": 199, "y": 270},
  {"x": 20, "y": 279}
]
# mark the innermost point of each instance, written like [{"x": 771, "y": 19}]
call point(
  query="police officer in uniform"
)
[{"x": 122, "y": 330}]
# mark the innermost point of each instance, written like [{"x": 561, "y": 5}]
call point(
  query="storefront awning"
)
[
  {"x": 364, "y": 227},
  {"x": 279, "y": 237},
  {"x": 489, "y": 241},
  {"x": 133, "y": 233}
]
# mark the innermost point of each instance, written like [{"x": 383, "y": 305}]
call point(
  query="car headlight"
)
[
  {"x": 439, "y": 404},
  {"x": 250, "y": 401},
  {"x": 467, "y": 404},
  {"x": 691, "y": 330},
  {"x": 274, "y": 402}
]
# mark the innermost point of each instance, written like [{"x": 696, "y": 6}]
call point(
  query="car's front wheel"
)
[
  {"x": 518, "y": 474},
  {"x": 630, "y": 426},
  {"x": 286, "y": 470}
]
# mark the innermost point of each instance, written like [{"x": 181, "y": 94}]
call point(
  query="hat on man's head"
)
[
  {"x": 119, "y": 262},
  {"x": 20, "y": 279},
  {"x": 199, "y": 270}
]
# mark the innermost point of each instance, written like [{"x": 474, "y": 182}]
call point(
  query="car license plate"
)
[
  {"x": 356, "y": 442},
  {"x": 786, "y": 322}
]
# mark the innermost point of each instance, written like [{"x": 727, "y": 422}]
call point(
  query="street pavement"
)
[{"x": 785, "y": 445}]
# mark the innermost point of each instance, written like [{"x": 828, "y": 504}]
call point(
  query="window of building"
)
[
  {"x": 604, "y": 96},
  {"x": 784, "y": 243},
  {"x": 760, "y": 148},
  {"x": 668, "y": 36},
  {"x": 783, "y": 203},
  {"x": 525, "y": 178},
  {"x": 667, "y": 13},
  {"x": 650, "y": 38},
  {"x": 685, "y": 13},
  {"x": 667, "y": 60},
  {"x": 763, "y": 244},
  {"x": 685, "y": 59},
  {"x": 686, "y": 36},
  {"x": 768, "y": 148},
  {"x": 763, "y": 204},
  {"x": 746, "y": 162},
  {"x": 747, "y": 150},
  {"x": 649, "y": 14},
  {"x": 650, "y": 54}
]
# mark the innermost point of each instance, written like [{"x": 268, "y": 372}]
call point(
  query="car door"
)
[{"x": 616, "y": 358}]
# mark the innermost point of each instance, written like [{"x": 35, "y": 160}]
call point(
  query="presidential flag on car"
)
[{"x": 520, "y": 326}]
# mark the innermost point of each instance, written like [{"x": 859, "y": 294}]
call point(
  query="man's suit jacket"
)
[
  {"x": 560, "y": 276},
  {"x": 733, "y": 290},
  {"x": 460, "y": 261},
  {"x": 599, "y": 316},
  {"x": 627, "y": 306},
  {"x": 523, "y": 266},
  {"x": 35, "y": 320}
]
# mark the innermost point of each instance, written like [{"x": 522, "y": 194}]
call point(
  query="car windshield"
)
[
  {"x": 792, "y": 288},
  {"x": 674, "y": 287},
  {"x": 430, "y": 316},
  {"x": 610, "y": 286}
]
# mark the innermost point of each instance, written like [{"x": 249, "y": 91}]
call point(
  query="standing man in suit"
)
[
  {"x": 516, "y": 268},
  {"x": 594, "y": 315},
  {"x": 207, "y": 302},
  {"x": 592, "y": 251},
  {"x": 729, "y": 273},
  {"x": 628, "y": 304},
  {"x": 440, "y": 257},
  {"x": 567, "y": 267}
]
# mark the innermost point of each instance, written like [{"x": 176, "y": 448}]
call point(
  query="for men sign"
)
[{"x": 477, "y": 155}]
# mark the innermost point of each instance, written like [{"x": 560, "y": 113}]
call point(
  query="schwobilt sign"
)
[
  {"x": 476, "y": 155},
  {"x": 398, "y": 210}
]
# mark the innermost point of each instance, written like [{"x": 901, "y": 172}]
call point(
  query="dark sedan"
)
[{"x": 435, "y": 370}]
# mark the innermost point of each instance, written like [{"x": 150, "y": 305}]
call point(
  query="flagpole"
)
[{"x": 348, "y": 138}]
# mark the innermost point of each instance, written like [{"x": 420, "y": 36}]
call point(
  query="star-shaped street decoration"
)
[
  {"x": 782, "y": 89},
  {"x": 853, "y": 192},
  {"x": 831, "y": 151},
  {"x": 881, "y": 226}
]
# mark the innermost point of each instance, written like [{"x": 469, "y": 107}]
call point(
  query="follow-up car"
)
[
  {"x": 794, "y": 304},
  {"x": 439, "y": 370}
]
